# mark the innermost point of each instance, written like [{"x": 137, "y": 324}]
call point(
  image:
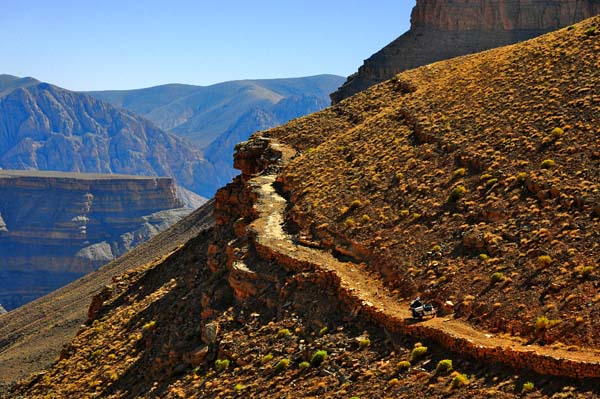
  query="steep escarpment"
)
[
  {"x": 442, "y": 29},
  {"x": 55, "y": 227},
  {"x": 45, "y": 127}
]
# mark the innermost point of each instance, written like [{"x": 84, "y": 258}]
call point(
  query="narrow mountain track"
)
[{"x": 366, "y": 294}]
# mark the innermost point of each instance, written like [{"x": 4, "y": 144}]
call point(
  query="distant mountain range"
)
[
  {"x": 45, "y": 127},
  {"x": 217, "y": 117},
  {"x": 203, "y": 113}
]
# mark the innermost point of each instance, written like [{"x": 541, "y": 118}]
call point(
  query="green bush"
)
[
  {"x": 459, "y": 380},
  {"x": 238, "y": 387},
  {"x": 304, "y": 365},
  {"x": 444, "y": 366},
  {"x": 456, "y": 193},
  {"x": 547, "y": 164},
  {"x": 266, "y": 358},
  {"x": 282, "y": 364},
  {"x": 284, "y": 332},
  {"x": 417, "y": 353},
  {"x": 557, "y": 132},
  {"x": 544, "y": 260},
  {"x": 460, "y": 172},
  {"x": 528, "y": 387},
  {"x": 151, "y": 325},
  {"x": 318, "y": 358},
  {"x": 364, "y": 342},
  {"x": 543, "y": 323},
  {"x": 222, "y": 364},
  {"x": 497, "y": 278},
  {"x": 403, "y": 365}
]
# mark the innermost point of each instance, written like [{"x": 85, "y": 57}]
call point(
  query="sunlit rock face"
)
[{"x": 442, "y": 29}]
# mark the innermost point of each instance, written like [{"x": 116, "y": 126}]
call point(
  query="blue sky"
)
[{"x": 112, "y": 44}]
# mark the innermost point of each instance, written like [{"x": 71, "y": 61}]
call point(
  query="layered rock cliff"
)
[
  {"x": 442, "y": 29},
  {"x": 55, "y": 227}
]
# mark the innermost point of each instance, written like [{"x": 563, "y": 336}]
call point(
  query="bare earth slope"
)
[
  {"x": 474, "y": 180},
  {"x": 32, "y": 335}
]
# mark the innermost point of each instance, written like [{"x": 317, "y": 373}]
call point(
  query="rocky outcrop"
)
[
  {"x": 442, "y": 29},
  {"x": 55, "y": 227}
]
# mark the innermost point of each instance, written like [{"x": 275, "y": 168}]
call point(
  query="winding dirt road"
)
[{"x": 363, "y": 291}]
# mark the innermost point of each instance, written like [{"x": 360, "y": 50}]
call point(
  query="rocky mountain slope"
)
[
  {"x": 56, "y": 227},
  {"x": 472, "y": 183},
  {"x": 443, "y": 29},
  {"x": 45, "y": 127},
  {"x": 218, "y": 117}
]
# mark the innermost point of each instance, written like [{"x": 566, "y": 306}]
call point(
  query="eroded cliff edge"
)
[
  {"x": 443, "y": 29},
  {"x": 55, "y": 227}
]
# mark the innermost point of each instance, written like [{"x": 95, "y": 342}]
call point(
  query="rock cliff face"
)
[
  {"x": 55, "y": 227},
  {"x": 442, "y": 29}
]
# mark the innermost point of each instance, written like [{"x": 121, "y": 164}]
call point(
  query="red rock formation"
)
[
  {"x": 501, "y": 15},
  {"x": 443, "y": 29}
]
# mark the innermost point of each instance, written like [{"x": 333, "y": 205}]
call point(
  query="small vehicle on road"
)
[{"x": 421, "y": 310}]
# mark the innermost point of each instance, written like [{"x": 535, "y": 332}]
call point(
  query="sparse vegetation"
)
[
  {"x": 459, "y": 380},
  {"x": 282, "y": 364},
  {"x": 318, "y": 358},
  {"x": 528, "y": 387},
  {"x": 592, "y": 31},
  {"x": 444, "y": 366},
  {"x": 417, "y": 353},
  {"x": 221, "y": 364},
  {"x": 497, "y": 277},
  {"x": 456, "y": 193}
]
